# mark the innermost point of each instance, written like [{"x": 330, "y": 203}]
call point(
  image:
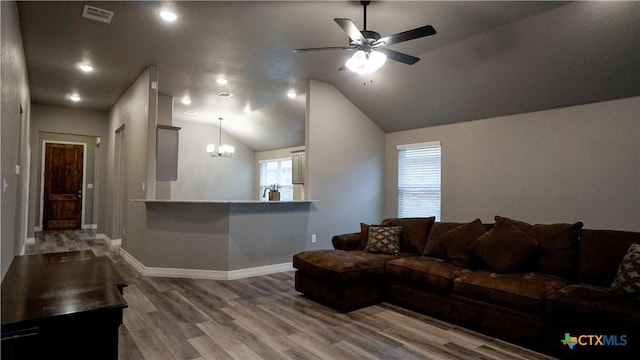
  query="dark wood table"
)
[{"x": 61, "y": 306}]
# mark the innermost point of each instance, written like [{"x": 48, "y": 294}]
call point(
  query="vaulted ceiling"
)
[{"x": 487, "y": 59}]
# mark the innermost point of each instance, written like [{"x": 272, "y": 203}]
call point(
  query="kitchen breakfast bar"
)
[{"x": 220, "y": 240}]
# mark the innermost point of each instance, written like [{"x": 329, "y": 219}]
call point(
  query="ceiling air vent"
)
[
  {"x": 97, "y": 14},
  {"x": 224, "y": 94}
]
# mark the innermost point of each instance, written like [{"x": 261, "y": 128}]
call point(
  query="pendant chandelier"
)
[{"x": 223, "y": 150}]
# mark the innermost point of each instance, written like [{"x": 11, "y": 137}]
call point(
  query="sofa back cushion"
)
[
  {"x": 434, "y": 247},
  {"x": 415, "y": 232},
  {"x": 601, "y": 253},
  {"x": 557, "y": 251}
]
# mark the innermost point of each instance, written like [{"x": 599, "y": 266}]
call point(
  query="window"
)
[
  {"x": 419, "y": 180},
  {"x": 276, "y": 171}
]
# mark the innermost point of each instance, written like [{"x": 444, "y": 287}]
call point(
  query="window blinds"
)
[{"x": 419, "y": 169}]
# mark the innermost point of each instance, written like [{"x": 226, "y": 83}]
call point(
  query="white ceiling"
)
[{"x": 487, "y": 59}]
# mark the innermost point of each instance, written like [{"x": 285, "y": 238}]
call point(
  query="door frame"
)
[
  {"x": 42, "y": 173},
  {"x": 120, "y": 187}
]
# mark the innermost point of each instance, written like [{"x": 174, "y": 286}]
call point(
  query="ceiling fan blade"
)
[
  {"x": 406, "y": 35},
  {"x": 350, "y": 28},
  {"x": 398, "y": 56},
  {"x": 325, "y": 48}
]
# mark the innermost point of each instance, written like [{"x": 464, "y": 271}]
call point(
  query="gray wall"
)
[
  {"x": 201, "y": 177},
  {"x": 266, "y": 234},
  {"x": 136, "y": 111},
  {"x": 345, "y": 160},
  {"x": 190, "y": 236},
  {"x": 165, "y": 117},
  {"x": 14, "y": 136},
  {"x": 563, "y": 165},
  {"x": 218, "y": 236},
  {"x": 76, "y": 125}
]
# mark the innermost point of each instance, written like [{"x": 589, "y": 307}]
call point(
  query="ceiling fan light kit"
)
[
  {"x": 366, "y": 63},
  {"x": 371, "y": 52}
]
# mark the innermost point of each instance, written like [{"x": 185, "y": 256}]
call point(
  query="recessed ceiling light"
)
[
  {"x": 168, "y": 16},
  {"x": 292, "y": 94},
  {"x": 85, "y": 67},
  {"x": 222, "y": 81},
  {"x": 186, "y": 100},
  {"x": 74, "y": 97},
  {"x": 247, "y": 110}
]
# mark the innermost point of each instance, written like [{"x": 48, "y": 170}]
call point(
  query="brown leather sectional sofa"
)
[{"x": 544, "y": 286}]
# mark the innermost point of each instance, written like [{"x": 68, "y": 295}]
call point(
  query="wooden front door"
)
[{"x": 63, "y": 186}]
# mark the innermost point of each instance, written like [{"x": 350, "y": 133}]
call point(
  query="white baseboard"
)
[
  {"x": 37, "y": 228},
  {"x": 107, "y": 239},
  {"x": 27, "y": 241},
  {"x": 259, "y": 271},
  {"x": 204, "y": 274}
]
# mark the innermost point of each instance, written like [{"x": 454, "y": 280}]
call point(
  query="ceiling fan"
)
[{"x": 371, "y": 52}]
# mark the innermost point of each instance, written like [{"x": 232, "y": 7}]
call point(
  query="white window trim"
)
[
  {"x": 398, "y": 189},
  {"x": 418, "y": 145}
]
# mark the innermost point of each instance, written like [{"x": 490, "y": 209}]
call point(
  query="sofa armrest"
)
[{"x": 347, "y": 242}]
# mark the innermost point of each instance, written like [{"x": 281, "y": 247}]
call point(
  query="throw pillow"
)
[
  {"x": 384, "y": 239},
  {"x": 627, "y": 280},
  {"x": 434, "y": 248},
  {"x": 415, "y": 232},
  {"x": 456, "y": 242},
  {"x": 557, "y": 249},
  {"x": 503, "y": 247}
]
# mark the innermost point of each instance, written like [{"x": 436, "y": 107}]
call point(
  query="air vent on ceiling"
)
[
  {"x": 97, "y": 14},
  {"x": 224, "y": 94}
]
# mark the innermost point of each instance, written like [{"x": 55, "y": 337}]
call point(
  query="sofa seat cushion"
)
[
  {"x": 526, "y": 291},
  {"x": 339, "y": 266},
  {"x": 597, "y": 302},
  {"x": 434, "y": 274}
]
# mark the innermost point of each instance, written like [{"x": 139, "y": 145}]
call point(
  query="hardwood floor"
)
[{"x": 265, "y": 318}]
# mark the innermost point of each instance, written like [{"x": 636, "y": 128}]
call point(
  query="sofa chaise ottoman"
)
[{"x": 351, "y": 276}]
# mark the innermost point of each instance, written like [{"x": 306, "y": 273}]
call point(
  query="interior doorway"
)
[{"x": 63, "y": 185}]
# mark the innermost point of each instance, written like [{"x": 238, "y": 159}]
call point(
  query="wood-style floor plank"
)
[{"x": 265, "y": 318}]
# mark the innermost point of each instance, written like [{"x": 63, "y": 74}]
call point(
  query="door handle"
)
[{"x": 80, "y": 193}]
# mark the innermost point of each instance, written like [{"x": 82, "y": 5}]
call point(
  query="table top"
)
[{"x": 59, "y": 284}]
